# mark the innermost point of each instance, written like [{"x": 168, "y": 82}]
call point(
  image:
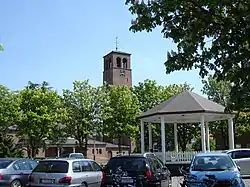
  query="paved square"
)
[{"x": 176, "y": 182}]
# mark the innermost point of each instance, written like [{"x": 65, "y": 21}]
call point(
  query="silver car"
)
[
  {"x": 242, "y": 159},
  {"x": 66, "y": 172},
  {"x": 14, "y": 172}
]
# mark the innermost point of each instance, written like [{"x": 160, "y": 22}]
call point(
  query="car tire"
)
[
  {"x": 16, "y": 183},
  {"x": 84, "y": 184}
]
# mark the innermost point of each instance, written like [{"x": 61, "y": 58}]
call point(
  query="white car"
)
[{"x": 242, "y": 158}]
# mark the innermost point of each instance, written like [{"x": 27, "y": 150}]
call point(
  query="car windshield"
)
[
  {"x": 76, "y": 155},
  {"x": 52, "y": 167},
  {"x": 4, "y": 163},
  {"x": 126, "y": 164},
  {"x": 212, "y": 163}
]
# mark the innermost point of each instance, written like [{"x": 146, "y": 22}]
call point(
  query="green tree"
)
[
  {"x": 196, "y": 146},
  {"x": 8, "y": 108},
  {"x": 84, "y": 104},
  {"x": 219, "y": 92},
  {"x": 42, "y": 112},
  {"x": 123, "y": 111},
  {"x": 1, "y": 47},
  {"x": 210, "y": 36},
  {"x": 9, "y": 148},
  {"x": 8, "y": 117}
]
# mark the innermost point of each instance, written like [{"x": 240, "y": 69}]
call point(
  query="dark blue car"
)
[{"x": 214, "y": 170}]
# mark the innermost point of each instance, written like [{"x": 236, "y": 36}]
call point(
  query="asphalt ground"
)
[{"x": 176, "y": 182}]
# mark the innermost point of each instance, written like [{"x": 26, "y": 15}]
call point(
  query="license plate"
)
[
  {"x": 47, "y": 181},
  {"x": 127, "y": 180}
]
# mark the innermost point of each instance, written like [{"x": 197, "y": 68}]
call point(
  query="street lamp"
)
[{"x": 94, "y": 136}]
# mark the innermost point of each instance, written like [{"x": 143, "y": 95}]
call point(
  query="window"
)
[
  {"x": 127, "y": 164},
  {"x": 212, "y": 163},
  {"x": 93, "y": 152},
  {"x": 76, "y": 167},
  {"x": 110, "y": 63},
  {"x": 106, "y": 65},
  {"x": 86, "y": 166},
  {"x": 240, "y": 154},
  {"x": 52, "y": 167},
  {"x": 100, "y": 151},
  {"x": 22, "y": 165},
  {"x": 125, "y": 63},
  {"x": 5, "y": 163},
  {"x": 96, "y": 151},
  {"x": 32, "y": 163},
  {"x": 118, "y": 62},
  {"x": 95, "y": 166}
]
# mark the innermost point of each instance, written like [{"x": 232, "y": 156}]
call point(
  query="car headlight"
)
[{"x": 236, "y": 181}]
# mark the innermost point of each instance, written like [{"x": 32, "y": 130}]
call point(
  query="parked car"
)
[
  {"x": 66, "y": 172},
  {"x": 72, "y": 155},
  {"x": 14, "y": 172},
  {"x": 215, "y": 168},
  {"x": 136, "y": 170},
  {"x": 242, "y": 159}
]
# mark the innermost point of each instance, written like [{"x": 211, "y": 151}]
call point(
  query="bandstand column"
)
[
  {"x": 208, "y": 137},
  {"x": 175, "y": 138},
  {"x": 142, "y": 138},
  {"x": 150, "y": 141},
  {"x": 231, "y": 133},
  {"x": 203, "y": 140},
  {"x": 163, "y": 141}
]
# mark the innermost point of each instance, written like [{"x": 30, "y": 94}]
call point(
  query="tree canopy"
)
[
  {"x": 84, "y": 106},
  {"x": 123, "y": 111},
  {"x": 212, "y": 36},
  {"x": 42, "y": 114},
  {"x": 219, "y": 92}
]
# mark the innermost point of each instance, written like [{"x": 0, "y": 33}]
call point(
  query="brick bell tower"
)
[{"x": 117, "y": 69}]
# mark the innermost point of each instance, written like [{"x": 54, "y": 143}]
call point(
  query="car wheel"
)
[
  {"x": 84, "y": 185},
  {"x": 16, "y": 183}
]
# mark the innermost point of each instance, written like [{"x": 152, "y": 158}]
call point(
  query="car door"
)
[
  {"x": 242, "y": 159},
  {"x": 158, "y": 172},
  {"x": 97, "y": 171},
  {"x": 163, "y": 172},
  {"x": 88, "y": 174},
  {"x": 22, "y": 169}
]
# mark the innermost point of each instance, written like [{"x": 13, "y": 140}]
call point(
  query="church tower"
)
[
  {"x": 118, "y": 72},
  {"x": 117, "y": 68}
]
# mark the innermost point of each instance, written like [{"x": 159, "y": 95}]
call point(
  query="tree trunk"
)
[
  {"x": 28, "y": 151},
  {"x": 119, "y": 144},
  {"x": 33, "y": 152},
  {"x": 85, "y": 149}
]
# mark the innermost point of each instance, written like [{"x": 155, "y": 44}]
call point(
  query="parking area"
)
[{"x": 176, "y": 182}]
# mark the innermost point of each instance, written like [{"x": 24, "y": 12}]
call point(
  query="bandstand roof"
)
[{"x": 186, "y": 107}]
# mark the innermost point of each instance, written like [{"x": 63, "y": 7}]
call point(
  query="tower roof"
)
[{"x": 117, "y": 52}]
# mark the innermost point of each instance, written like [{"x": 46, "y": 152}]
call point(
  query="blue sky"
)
[{"x": 61, "y": 41}]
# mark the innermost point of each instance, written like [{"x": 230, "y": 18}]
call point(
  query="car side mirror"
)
[{"x": 238, "y": 168}]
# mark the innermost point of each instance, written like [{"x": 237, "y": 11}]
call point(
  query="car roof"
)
[
  {"x": 14, "y": 159},
  {"x": 67, "y": 159},
  {"x": 238, "y": 149},
  {"x": 136, "y": 155},
  {"x": 211, "y": 154}
]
